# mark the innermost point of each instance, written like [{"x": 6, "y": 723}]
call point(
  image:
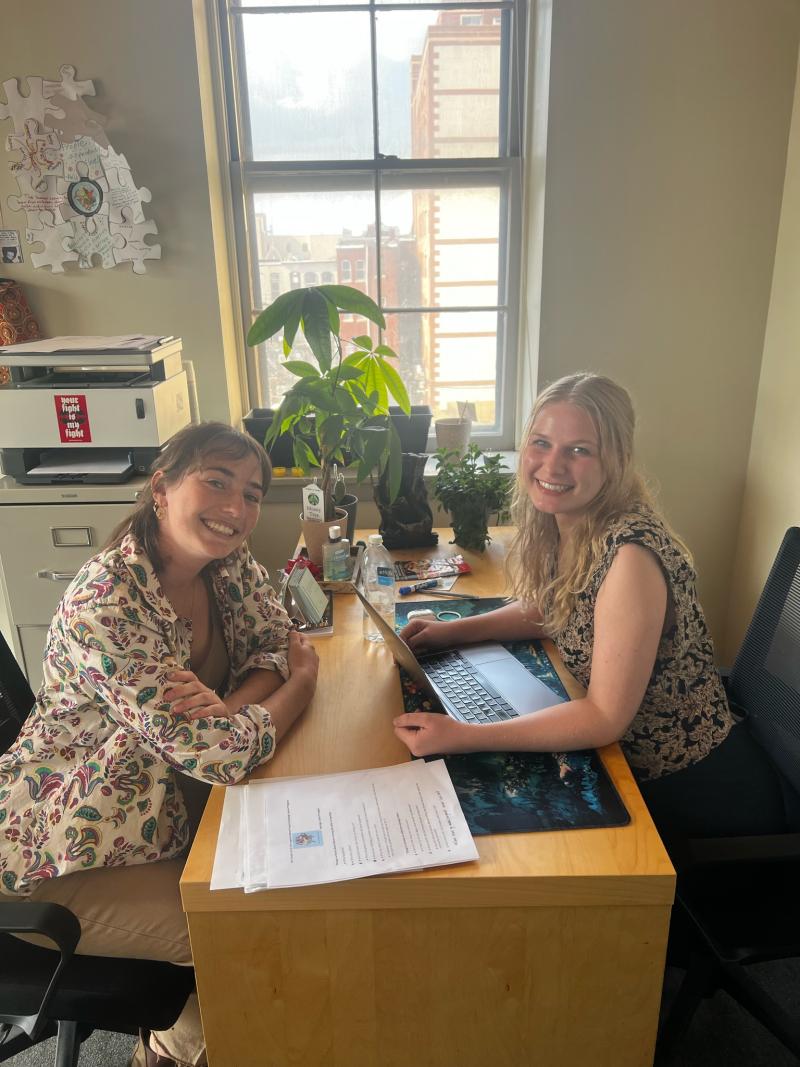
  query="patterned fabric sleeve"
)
[
  {"x": 265, "y": 626},
  {"x": 126, "y": 663}
]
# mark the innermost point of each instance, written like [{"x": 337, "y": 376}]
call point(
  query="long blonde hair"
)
[{"x": 538, "y": 577}]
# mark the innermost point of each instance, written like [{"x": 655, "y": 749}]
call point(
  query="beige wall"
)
[
  {"x": 668, "y": 125},
  {"x": 141, "y": 56},
  {"x": 772, "y": 490}
]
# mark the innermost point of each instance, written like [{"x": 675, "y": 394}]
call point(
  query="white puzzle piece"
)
[
  {"x": 20, "y": 108},
  {"x": 135, "y": 250},
  {"x": 91, "y": 237},
  {"x": 82, "y": 159},
  {"x": 53, "y": 238},
  {"x": 40, "y": 152},
  {"x": 68, "y": 87},
  {"x": 47, "y": 196},
  {"x": 75, "y": 119}
]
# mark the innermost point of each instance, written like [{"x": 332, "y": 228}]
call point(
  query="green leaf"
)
[
  {"x": 364, "y": 342},
  {"x": 349, "y": 373},
  {"x": 355, "y": 359},
  {"x": 271, "y": 319},
  {"x": 316, "y": 327},
  {"x": 303, "y": 456},
  {"x": 374, "y": 382},
  {"x": 347, "y": 298},
  {"x": 301, "y": 368},
  {"x": 396, "y": 387},
  {"x": 145, "y": 694},
  {"x": 384, "y": 350},
  {"x": 333, "y": 316},
  {"x": 292, "y": 323}
]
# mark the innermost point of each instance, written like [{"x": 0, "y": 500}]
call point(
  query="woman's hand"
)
[
  {"x": 303, "y": 662},
  {"x": 428, "y": 634},
  {"x": 188, "y": 696},
  {"x": 427, "y": 733}
]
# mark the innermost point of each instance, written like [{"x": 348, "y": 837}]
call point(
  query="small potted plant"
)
[
  {"x": 472, "y": 487},
  {"x": 341, "y": 401}
]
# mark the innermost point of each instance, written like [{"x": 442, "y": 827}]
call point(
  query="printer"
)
[{"x": 90, "y": 410}]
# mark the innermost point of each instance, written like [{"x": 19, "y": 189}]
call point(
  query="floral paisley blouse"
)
[
  {"x": 684, "y": 713},
  {"x": 92, "y": 779}
]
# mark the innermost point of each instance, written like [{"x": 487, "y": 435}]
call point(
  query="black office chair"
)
[
  {"x": 45, "y": 992},
  {"x": 739, "y": 897}
]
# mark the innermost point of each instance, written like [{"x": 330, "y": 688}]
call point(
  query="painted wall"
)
[
  {"x": 772, "y": 491},
  {"x": 142, "y": 58},
  {"x": 668, "y": 126}
]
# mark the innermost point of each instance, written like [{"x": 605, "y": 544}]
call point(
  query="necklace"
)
[{"x": 176, "y": 601}]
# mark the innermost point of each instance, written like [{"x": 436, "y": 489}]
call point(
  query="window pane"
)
[
  {"x": 446, "y": 357},
  {"x": 310, "y": 239},
  {"x": 439, "y": 83},
  {"x": 440, "y": 247},
  {"x": 307, "y": 78}
]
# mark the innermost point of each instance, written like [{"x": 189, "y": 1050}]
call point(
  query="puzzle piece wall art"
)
[{"x": 78, "y": 194}]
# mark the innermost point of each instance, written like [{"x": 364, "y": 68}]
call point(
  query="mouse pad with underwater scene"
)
[{"x": 508, "y": 792}]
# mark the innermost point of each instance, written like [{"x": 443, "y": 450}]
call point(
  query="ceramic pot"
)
[
  {"x": 316, "y": 534},
  {"x": 453, "y": 434}
]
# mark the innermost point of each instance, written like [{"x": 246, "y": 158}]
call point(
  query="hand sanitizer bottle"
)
[{"x": 335, "y": 557}]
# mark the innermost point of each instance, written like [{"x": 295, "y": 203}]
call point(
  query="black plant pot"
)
[
  {"x": 413, "y": 429},
  {"x": 281, "y": 451}
]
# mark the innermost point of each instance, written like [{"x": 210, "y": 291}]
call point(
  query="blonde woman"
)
[{"x": 597, "y": 569}]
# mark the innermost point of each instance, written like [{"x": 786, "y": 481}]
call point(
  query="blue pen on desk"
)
[{"x": 431, "y": 583}]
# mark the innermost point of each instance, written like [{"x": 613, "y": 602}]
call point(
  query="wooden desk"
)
[{"x": 549, "y": 951}]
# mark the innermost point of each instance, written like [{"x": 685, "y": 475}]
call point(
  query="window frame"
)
[{"x": 249, "y": 177}]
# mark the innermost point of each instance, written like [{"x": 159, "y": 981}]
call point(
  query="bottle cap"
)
[
  {"x": 375, "y": 539},
  {"x": 334, "y": 533}
]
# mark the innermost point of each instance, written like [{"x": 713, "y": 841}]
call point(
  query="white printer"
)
[{"x": 90, "y": 410}]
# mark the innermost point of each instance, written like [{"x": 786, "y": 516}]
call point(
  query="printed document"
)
[{"x": 328, "y": 828}]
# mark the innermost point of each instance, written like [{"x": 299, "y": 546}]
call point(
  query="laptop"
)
[{"x": 476, "y": 684}]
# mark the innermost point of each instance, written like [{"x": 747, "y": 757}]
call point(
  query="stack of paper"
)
[{"x": 304, "y": 831}]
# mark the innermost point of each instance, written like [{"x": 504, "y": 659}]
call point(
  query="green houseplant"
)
[
  {"x": 342, "y": 402},
  {"x": 471, "y": 491}
]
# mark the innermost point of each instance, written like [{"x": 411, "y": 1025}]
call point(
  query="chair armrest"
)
[
  {"x": 756, "y": 848},
  {"x": 55, "y": 922}
]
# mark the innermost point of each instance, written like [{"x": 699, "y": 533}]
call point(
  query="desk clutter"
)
[{"x": 336, "y": 827}]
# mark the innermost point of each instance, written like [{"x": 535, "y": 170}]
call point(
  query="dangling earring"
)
[{"x": 159, "y": 510}]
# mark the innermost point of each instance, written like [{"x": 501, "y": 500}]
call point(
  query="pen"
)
[
  {"x": 452, "y": 596},
  {"x": 404, "y": 590}
]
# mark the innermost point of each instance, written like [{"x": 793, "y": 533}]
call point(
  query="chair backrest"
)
[
  {"x": 765, "y": 679},
  {"x": 16, "y": 697}
]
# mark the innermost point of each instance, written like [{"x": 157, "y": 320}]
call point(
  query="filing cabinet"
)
[{"x": 46, "y": 534}]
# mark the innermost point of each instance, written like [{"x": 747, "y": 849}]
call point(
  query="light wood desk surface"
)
[{"x": 549, "y": 949}]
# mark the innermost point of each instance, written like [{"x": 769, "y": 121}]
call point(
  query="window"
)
[{"x": 378, "y": 144}]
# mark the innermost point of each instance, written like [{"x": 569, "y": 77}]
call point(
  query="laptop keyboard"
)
[{"x": 466, "y": 690}]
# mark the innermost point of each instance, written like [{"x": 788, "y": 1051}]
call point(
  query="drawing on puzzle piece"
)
[
  {"x": 46, "y": 197},
  {"x": 40, "y": 151},
  {"x": 135, "y": 250},
  {"x": 82, "y": 160},
  {"x": 123, "y": 196},
  {"x": 85, "y": 197},
  {"x": 73, "y": 184},
  {"x": 91, "y": 237},
  {"x": 53, "y": 237}
]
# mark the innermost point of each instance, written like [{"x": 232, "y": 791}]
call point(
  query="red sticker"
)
[{"x": 73, "y": 420}]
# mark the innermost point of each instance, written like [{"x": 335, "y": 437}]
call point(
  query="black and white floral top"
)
[
  {"x": 684, "y": 713},
  {"x": 92, "y": 779}
]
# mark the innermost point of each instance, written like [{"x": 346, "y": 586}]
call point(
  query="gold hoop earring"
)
[{"x": 160, "y": 511}]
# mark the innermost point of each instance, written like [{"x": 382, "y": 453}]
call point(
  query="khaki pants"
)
[{"x": 134, "y": 912}]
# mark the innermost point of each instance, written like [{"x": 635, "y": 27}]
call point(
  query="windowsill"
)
[{"x": 286, "y": 488}]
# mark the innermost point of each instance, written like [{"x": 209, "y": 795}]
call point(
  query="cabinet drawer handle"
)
[{"x": 56, "y": 576}]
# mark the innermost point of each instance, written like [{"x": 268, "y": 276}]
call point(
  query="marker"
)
[{"x": 431, "y": 583}]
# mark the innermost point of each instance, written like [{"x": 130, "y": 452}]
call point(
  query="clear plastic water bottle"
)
[{"x": 378, "y": 586}]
